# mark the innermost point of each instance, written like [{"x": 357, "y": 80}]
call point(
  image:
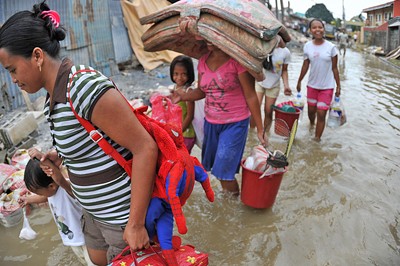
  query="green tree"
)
[
  {"x": 338, "y": 22},
  {"x": 320, "y": 11}
]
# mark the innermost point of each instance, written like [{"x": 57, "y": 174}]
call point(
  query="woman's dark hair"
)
[
  {"x": 25, "y": 30},
  {"x": 267, "y": 63},
  {"x": 187, "y": 63},
  {"x": 34, "y": 176}
]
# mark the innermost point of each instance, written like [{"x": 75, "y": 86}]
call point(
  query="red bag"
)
[
  {"x": 186, "y": 256},
  {"x": 163, "y": 110}
]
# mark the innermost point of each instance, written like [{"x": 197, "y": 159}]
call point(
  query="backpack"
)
[{"x": 175, "y": 166}]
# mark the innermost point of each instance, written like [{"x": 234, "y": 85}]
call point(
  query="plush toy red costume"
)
[{"x": 177, "y": 174}]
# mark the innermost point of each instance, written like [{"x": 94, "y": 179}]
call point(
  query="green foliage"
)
[
  {"x": 320, "y": 11},
  {"x": 338, "y": 22}
]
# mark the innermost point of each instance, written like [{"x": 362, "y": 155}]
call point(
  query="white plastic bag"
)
[
  {"x": 343, "y": 118},
  {"x": 198, "y": 121},
  {"x": 27, "y": 232}
]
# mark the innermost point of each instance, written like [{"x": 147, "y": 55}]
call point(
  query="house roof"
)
[
  {"x": 373, "y": 8},
  {"x": 396, "y": 24},
  {"x": 355, "y": 23}
]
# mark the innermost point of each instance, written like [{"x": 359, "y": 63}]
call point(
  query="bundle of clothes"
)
[{"x": 11, "y": 185}]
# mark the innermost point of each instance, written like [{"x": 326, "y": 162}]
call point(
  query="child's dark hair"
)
[
  {"x": 186, "y": 62},
  {"x": 35, "y": 177},
  {"x": 25, "y": 30},
  {"x": 267, "y": 63}
]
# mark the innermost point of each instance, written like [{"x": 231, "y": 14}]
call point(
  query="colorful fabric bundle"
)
[{"x": 245, "y": 30}]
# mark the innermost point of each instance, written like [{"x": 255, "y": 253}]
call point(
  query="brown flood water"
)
[{"x": 338, "y": 204}]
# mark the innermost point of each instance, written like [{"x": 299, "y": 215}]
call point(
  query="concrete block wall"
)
[{"x": 15, "y": 130}]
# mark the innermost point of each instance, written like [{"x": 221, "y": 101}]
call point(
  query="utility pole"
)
[
  {"x": 276, "y": 9},
  {"x": 283, "y": 13},
  {"x": 343, "y": 16}
]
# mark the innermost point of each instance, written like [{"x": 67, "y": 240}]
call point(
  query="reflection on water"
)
[{"x": 337, "y": 205}]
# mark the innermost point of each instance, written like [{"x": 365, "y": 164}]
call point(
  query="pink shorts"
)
[{"x": 320, "y": 98}]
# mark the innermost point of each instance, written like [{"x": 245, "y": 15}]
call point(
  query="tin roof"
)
[{"x": 373, "y": 8}]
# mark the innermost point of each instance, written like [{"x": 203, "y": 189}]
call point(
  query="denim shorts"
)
[{"x": 223, "y": 148}]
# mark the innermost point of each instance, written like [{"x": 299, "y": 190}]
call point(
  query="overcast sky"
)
[{"x": 351, "y": 7}]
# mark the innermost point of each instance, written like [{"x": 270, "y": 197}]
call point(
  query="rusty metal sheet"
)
[{"x": 95, "y": 37}]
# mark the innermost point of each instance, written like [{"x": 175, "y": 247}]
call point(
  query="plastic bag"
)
[
  {"x": 27, "y": 232},
  {"x": 6, "y": 170},
  {"x": 343, "y": 118},
  {"x": 337, "y": 115},
  {"x": 20, "y": 159},
  {"x": 257, "y": 161},
  {"x": 165, "y": 111},
  {"x": 14, "y": 181},
  {"x": 198, "y": 121}
]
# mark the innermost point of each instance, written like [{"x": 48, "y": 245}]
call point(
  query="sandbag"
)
[
  {"x": 250, "y": 15},
  {"x": 5, "y": 171}
]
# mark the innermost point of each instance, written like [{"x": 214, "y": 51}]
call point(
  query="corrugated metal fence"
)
[{"x": 96, "y": 36}]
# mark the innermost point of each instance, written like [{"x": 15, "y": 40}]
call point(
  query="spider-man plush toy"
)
[{"x": 177, "y": 174}]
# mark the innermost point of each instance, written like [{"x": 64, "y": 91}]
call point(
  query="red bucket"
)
[
  {"x": 288, "y": 118},
  {"x": 259, "y": 193}
]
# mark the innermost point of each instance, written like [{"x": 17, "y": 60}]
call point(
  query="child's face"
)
[
  {"x": 317, "y": 29},
  {"x": 180, "y": 75}
]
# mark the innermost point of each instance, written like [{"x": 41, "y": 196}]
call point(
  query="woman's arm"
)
[
  {"x": 113, "y": 115},
  {"x": 58, "y": 177},
  {"x": 247, "y": 82},
  {"x": 303, "y": 72},
  {"x": 190, "y": 95},
  {"x": 285, "y": 79},
  {"x": 336, "y": 74},
  {"x": 52, "y": 156}
]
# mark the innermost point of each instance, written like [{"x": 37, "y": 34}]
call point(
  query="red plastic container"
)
[
  {"x": 287, "y": 117},
  {"x": 259, "y": 193}
]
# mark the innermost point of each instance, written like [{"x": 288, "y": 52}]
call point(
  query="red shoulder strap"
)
[{"x": 94, "y": 134}]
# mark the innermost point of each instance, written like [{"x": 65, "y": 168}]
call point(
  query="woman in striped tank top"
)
[{"x": 114, "y": 204}]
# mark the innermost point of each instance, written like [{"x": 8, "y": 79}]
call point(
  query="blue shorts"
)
[{"x": 223, "y": 148}]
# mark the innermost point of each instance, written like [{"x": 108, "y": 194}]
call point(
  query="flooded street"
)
[{"x": 338, "y": 204}]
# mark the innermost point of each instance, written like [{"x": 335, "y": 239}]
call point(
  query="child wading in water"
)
[
  {"x": 275, "y": 68},
  {"x": 182, "y": 74},
  {"x": 321, "y": 56},
  {"x": 230, "y": 98},
  {"x": 51, "y": 186}
]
